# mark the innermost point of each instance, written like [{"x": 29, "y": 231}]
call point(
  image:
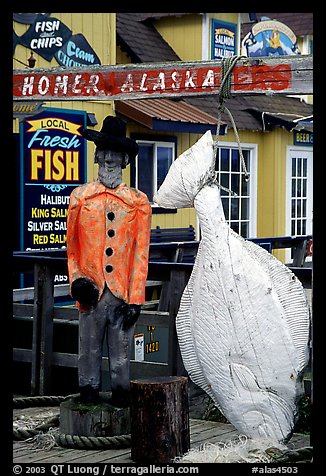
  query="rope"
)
[
  {"x": 24, "y": 434},
  {"x": 62, "y": 439},
  {"x": 302, "y": 455},
  {"x": 46, "y": 401},
  {"x": 227, "y": 65},
  {"x": 92, "y": 442}
]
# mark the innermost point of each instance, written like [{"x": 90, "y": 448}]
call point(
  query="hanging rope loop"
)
[{"x": 227, "y": 65}]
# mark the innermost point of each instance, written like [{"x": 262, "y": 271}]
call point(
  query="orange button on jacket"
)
[{"x": 108, "y": 236}]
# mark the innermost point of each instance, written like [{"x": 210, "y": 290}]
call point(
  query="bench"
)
[
  {"x": 173, "y": 244},
  {"x": 166, "y": 235},
  {"x": 184, "y": 251}
]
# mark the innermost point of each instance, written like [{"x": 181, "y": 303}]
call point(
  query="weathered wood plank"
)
[
  {"x": 299, "y": 440},
  {"x": 22, "y": 355},
  {"x": 54, "y": 455},
  {"x": 203, "y": 425},
  {"x": 278, "y": 75},
  {"x": 212, "y": 432},
  {"x": 121, "y": 456},
  {"x": 208, "y": 435},
  {"x": 28, "y": 293}
]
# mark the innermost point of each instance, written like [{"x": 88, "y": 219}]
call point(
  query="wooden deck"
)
[{"x": 201, "y": 431}]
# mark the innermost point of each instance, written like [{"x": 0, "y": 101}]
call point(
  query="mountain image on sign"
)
[{"x": 243, "y": 322}]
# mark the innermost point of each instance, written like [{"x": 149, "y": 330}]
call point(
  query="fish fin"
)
[
  {"x": 245, "y": 376},
  {"x": 291, "y": 295}
]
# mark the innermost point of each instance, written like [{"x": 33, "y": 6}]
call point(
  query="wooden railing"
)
[{"x": 167, "y": 277}]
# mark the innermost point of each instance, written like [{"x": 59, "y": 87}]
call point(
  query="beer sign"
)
[{"x": 53, "y": 162}]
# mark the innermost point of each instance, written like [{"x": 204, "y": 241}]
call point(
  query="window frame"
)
[
  {"x": 253, "y": 154},
  {"x": 296, "y": 152},
  {"x": 155, "y": 141}
]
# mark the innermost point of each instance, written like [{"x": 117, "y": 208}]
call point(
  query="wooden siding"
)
[
  {"x": 184, "y": 33},
  {"x": 271, "y": 197}
]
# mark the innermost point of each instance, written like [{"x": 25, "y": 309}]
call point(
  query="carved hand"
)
[
  {"x": 85, "y": 292},
  {"x": 129, "y": 313}
]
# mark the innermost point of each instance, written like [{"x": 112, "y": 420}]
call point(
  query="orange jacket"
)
[{"x": 108, "y": 235}]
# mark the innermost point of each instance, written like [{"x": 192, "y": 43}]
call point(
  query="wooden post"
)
[
  {"x": 42, "y": 330},
  {"x": 159, "y": 419},
  {"x": 299, "y": 253},
  {"x": 178, "y": 282}
]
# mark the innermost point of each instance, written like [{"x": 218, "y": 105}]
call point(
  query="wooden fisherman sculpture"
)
[{"x": 108, "y": 235}]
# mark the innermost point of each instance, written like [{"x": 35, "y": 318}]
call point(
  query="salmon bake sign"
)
[{"x": 289, "y": 75}]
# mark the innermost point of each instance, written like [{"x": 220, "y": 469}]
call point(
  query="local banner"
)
[{"x": 53, "y": 162}]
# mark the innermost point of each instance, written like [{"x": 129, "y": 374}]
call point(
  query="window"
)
[
  {"x": 239, "y": 210},
  {"x": 151, "y": 165},
  {"x": 299, "y": 196},
  {"x": 300, "y": 191}
]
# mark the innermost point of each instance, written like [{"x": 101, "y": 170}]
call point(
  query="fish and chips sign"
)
[
  {"x": 270, "y": 38},
  {"x": 53, "y": 162},
  {"x": 50, "y": 38}
]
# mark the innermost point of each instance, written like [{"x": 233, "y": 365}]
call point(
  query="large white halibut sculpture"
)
[{"x": 243, "y": 322}]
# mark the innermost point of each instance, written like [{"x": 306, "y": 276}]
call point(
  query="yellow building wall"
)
[
  {"x": 99, "y": 31},
  {"x": 184, "y": 33},
  {"x": 271, "y": 212}
]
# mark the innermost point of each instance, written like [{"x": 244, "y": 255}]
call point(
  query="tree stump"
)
[
  {"x": 100, "y": 419},
  {"x": 159, "y": 415}
]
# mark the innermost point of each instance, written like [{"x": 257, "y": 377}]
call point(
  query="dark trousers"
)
[{"x": 93, "y": 326}]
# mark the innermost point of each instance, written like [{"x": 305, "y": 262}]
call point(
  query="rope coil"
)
[
  {"x": 48, "y": 401},
  {"x": 92, "y": 442},
  {"x": 62, "y": 439}
]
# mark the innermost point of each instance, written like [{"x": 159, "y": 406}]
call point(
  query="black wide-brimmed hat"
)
[{"x": 112, "y": 136}]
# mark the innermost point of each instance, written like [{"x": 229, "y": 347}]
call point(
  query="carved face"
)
[{"x": 111, "y": 158}]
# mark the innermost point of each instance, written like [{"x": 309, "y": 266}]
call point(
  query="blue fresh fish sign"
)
[{"x": 53, "y": 162}]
